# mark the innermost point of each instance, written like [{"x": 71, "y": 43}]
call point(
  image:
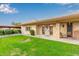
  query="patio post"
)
[{"x": 56, "y": 30}]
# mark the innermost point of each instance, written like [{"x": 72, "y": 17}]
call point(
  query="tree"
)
[{"x": 16, "y": 23}]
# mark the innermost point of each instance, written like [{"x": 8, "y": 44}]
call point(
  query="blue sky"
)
[{"x": 27, "y": 12}]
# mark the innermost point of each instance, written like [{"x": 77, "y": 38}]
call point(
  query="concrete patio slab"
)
[{"x": 66, "y": 40}]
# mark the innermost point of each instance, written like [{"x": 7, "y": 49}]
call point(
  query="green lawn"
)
[{"x": 31, "y": 46}]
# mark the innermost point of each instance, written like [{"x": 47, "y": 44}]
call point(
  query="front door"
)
[{"x": 69, "y": 29}]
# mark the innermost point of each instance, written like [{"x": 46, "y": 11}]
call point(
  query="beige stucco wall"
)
[
  {"x": 33, "y": 27},
  {"x": 23, "y": 29},
  {"x": 4, "y": 28},
  {"x": 56, "y": 30},
  {"x": 63, "y": 30},
  {"x": 76, "y": 30},
  {"x": 38, "y": 30},
  {"x": 75, "y": 26}
]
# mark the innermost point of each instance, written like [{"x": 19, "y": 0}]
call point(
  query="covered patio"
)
[{"x": 61, "y": 27}]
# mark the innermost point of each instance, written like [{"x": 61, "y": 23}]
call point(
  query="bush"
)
[
  {"x": 17, "y": 31},
  {"x": 1, "y": 32},
  {"x": 8, "y": 32},
  {"x": 32, "y": 32}
]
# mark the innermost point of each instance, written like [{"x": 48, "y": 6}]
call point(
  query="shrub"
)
[
  {"x": 1, "y": 32},
  {"x": 8, "y": 32},
  {"x": 32, "y": 32},
  {"x": 17, "y": 31}
]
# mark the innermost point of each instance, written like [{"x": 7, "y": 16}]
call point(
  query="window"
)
[
  {"x": 27, "y": 28},
  {"x": 69, "y": 27},
  {"x": 43, "y": 30},
  {"x": 51, "y": 30}
]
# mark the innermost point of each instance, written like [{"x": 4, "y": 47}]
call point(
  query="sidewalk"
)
[
  {"x": 9, "y": 35},
  {"x": 66, "y": 40}
]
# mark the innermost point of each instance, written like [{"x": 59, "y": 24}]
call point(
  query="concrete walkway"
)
[
  {"x": 66, "y": 40},
  {"x": 2, "y": 36}
]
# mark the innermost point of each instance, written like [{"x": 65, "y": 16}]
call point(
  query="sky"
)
[{"x": 24, "y": 12}]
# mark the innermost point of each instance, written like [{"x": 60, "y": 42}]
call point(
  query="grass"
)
[{"x": 30, "y": 46}]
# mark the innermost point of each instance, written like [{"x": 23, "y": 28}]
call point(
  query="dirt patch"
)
[
  {"x": 27, "y": 40},
  {"x": 17, "y": 52},
  {"x": 33, "y": 49}
]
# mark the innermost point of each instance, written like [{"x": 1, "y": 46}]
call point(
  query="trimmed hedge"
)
[{"x": 5, "y": 32}]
